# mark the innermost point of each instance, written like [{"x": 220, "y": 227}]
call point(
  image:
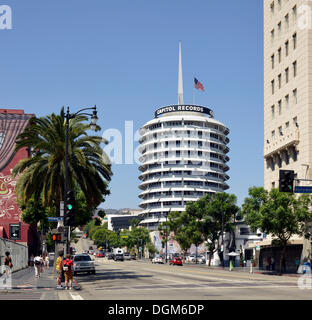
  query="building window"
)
[
  {"x": 272, "y": 61},
  {"x": 273, "y": 134},
  {"x": 294, "y": 41},
  {"x": 279, "y": 28},
  {"x": 280, "y": 131},
  {"x": 286, "y": 158},
  {"x": 287, "y": 125},
  {"x": 280, "y": 107},
  {"x": 286, "y": 48},
  {"x": 178, "y": 153},
  {"x": 272, "y": 9},
  {"x": 166, "y": 144},
  {"x": 178, "y": 143},
  {"x": 294, "y": 13},
  {"x": 287, "y": 75},
  {"x": 200, "y": 144},
  {"x": 295, "y": 96},
  {"x": 200, "y": 154},
  {"x": 272, "y": 36},
  {"x": 273, "y": 185},
  {"x": 279, "y": 81},
  {"x": 272, "y": 86},
  {"x": 166, "y": 154},
  {"x": 286, "y": 22},
  {"x": 200, "y": 134},
  {"x": 295, "y": 121},
  {"x": 279, "y": 55},
  {"x": 295, "y": 68},
  {"x": 287, "y": 101},
  {"x": 273, "y": 111}
]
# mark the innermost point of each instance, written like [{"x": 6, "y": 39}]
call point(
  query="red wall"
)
[{"x": 9, "y": 209}]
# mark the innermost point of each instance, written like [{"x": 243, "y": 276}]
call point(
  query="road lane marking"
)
[
  {"x": 76, "y": 296},
  {"x": 199, "y": 287}
]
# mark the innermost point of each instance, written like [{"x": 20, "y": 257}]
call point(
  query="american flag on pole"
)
[{"x": 198, "y": 85}]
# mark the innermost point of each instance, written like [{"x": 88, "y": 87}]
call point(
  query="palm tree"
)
[{"x": 43, "y": 174}]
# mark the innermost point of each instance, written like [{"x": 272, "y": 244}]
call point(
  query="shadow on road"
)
[{"x": 110, "y": 275}]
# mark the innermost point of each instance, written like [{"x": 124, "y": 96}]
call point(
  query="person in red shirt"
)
[{"x": 67, "y": 268}]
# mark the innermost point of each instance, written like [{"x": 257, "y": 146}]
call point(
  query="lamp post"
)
[
  {"x": 69, "y": 116},
  {"x": 222, "y": 244}
]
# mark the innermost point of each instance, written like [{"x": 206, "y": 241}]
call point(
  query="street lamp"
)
[{"x": 69, "y": 116}]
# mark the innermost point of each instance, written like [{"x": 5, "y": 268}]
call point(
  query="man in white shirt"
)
[{"x": 38, "y": 261}]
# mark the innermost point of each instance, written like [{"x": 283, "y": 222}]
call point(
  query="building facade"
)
[
  {"x": 12, "y": 123},
  {"x": 287, "y": 90},
  {"x": 184, "y": 157}
]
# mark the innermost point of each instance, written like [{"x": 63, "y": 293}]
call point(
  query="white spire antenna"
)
[{"x": 180, "y": 86}]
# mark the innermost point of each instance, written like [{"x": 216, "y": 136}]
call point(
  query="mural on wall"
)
[
  {"x": 172, "y": 245},
  {"x": 8, "y": 203}
]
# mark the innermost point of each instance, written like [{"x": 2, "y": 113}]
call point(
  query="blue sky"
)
[{"x": 123, "y": 56}]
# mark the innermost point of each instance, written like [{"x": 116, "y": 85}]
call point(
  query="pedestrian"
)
[
  {"x": 47, "y": 260},
  {"x": 67, "y": 268},
  {"x": 31, "y": 261},
  {"x": 268, "y": 263},
  {"x": 59, "y": 269},
  {"x": 272, "y": 264},
  {"x": 38, "y": 261},
  {"x": 297, "y": 262},
  {"x": 8, "y": 263}
]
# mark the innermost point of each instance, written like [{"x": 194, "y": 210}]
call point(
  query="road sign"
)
[
  {"x": 55, "y": 219},
  {"x": 299, "y": 189}
]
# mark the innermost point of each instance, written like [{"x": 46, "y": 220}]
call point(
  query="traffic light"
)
[
  {"x": 286, "y": 180},
  {"x": 69, "y": 208},
  {"x": 57, "y": 237}
]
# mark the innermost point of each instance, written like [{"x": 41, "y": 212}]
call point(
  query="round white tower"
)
[{"x": 184, "y": 155}]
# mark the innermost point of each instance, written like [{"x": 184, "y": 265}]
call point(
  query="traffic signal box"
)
[
  {"x": 69, "y": 208},
  {"x": 57, "y": 237},
  {"x": 286, "y": 180}
]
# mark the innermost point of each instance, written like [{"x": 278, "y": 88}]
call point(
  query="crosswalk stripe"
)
[{"x": 76, "y": 296}]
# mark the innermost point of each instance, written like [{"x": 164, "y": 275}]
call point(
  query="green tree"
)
[
  {"x": 101, "y": 213},
  {"x": 42, "y": 175},
  {"x": 217, "y": 213},
  {"x": 278, "y": 213}
]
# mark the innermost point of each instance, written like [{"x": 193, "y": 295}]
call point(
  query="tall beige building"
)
[{"x": 287, "y": 89}]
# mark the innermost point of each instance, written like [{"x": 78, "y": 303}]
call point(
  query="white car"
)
[
  {"x": 190, "y": 258},
  {"x": 157, "y": 259}
]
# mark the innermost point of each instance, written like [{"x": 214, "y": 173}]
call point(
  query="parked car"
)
[
  {"x": 100, "y": 254},
  {"x": 83, "y": 263},
  {"x": 133, "y": 256},
  {"x": 127, "y": 256},
  {"x": 91, "y": 252},
  {"x": 190, "y": 258},
  {"x": 110, "y": 256},
  {"x": 157, "y": 259},
  {"x": 176, "y": 261},
  {"x": 119, "y": 257}
]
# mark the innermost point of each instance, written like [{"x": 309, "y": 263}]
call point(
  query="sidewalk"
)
[
  {"x": 28, "y": 286},
  {"x": 236, "y": 269}
]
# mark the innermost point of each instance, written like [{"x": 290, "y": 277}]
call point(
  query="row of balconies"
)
[{"x": 184, "y": 132}]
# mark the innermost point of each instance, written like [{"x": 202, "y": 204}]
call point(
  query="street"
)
[{"x": 142, "y": 280}]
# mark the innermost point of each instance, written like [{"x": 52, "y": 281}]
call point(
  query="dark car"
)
[
  {"x": 110, "y": 256},
  {"x": 176, "y": 261},
  {"x": 119, "y": 257}
]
